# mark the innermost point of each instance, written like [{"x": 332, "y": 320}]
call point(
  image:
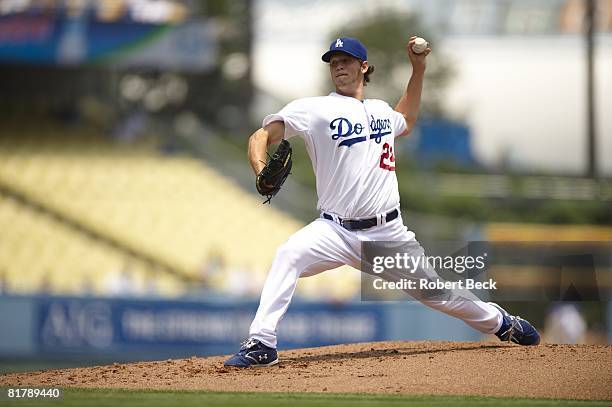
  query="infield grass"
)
[{"x": 150, "y": 398}]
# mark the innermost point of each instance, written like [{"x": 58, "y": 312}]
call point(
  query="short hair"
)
[{"x": 366, "y": 76}]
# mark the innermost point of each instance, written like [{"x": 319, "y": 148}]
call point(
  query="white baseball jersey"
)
[{"x": 351, "y": 146}]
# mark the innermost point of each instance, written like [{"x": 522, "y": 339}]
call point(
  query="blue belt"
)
[{"x": 360, "y": 224}]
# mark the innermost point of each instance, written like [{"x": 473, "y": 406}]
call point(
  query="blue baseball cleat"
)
[
  {"x": 253, "y": 353},
  {"x": 515, "y": 329}
]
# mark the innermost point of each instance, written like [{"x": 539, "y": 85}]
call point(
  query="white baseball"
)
[{"x": 419, "y": 45}]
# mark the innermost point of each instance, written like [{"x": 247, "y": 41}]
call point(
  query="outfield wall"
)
[{"x": 43, "y": 327}]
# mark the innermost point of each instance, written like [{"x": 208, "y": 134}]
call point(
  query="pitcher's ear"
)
[{"x": 364, "y": 66}]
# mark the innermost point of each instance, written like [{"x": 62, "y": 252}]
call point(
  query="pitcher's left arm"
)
[{"x": 410, "y": 101}]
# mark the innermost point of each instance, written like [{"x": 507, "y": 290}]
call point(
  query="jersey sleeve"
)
[
  {"x": 295, "y": 116},
  {"x": 398, "y": 122}
]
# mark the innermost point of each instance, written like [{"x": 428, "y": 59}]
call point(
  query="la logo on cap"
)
[{"x": 339, "y": 43}]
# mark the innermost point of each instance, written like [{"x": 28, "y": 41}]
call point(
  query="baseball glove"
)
[{"x": 276, "y": 171}]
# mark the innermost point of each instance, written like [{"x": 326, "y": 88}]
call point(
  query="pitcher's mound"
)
[{"x": 440, "y": 368}]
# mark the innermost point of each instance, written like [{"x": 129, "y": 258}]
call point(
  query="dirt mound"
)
[{"x": 450, "y": 368}]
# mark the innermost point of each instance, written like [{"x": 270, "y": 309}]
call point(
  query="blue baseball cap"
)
[{"x": 351, "y": 46}]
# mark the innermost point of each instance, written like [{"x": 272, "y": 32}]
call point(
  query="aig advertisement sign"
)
[
  {"x": 76, "y": 324},
  {"x": 67, "y": 325}
]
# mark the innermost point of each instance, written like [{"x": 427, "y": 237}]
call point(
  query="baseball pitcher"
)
[{"x": 350, "y": 141}]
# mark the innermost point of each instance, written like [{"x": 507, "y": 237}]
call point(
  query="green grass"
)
[{"x": 148, "y": 398}]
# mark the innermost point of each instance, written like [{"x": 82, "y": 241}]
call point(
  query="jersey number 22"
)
[{"x": 387, "y": 159}]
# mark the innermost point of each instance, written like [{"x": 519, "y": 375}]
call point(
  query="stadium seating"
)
[
  {"x": 174, "y": 210},
  {"x": 39, "y": 254}
]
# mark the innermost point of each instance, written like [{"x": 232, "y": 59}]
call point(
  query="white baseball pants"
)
[{"x": 324, "y": 245}]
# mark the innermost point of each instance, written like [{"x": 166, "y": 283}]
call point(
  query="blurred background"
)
[{"x": 129, "y": 224}]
